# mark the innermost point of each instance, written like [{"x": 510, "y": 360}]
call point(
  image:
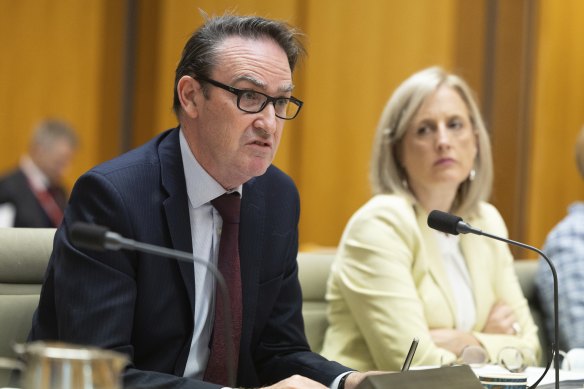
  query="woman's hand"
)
[{"x": 501, "y": 320}]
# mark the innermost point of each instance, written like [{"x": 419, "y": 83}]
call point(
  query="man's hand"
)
[
  {"x": 297, "y": 382},
  {"x": 354, "y": 379}
]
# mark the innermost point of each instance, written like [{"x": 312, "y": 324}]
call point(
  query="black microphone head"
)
[
  {"x": 89, "y": 236},
  {"x": 444, "y": 222}
]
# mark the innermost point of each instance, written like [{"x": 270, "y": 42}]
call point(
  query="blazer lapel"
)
[
  {"x": 435, "y": 261},
  {"x": 176, "y": 205},
  {"x": 477, "y": 265}
]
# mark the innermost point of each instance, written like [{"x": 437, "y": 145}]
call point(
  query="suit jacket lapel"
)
[
  {"x": 176, "y": 205},
  {"x": 251, "y": 234}
]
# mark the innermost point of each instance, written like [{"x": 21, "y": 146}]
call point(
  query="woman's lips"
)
[{"x": 444, "y": 161}]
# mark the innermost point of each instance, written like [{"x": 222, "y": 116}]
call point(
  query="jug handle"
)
[{"x": 14, "y": 364}]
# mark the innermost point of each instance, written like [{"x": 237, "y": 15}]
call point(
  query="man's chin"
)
[
  {"x": 259, "y": 172},
  {"x": 258, "y": 166}
]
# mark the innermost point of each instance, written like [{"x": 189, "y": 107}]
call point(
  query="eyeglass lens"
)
[
  {"x": 515, "y": 360},
  {"x": 253, "y": 102}
]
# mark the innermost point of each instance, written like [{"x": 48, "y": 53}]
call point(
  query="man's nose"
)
[{"x": 268, "y": 119}]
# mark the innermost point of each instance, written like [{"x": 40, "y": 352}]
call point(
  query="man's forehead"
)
[
  {"x": 253, "y": 60},
  {"x": 283, "y": 86}
]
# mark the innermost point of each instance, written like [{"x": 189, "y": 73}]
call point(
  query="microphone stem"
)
[
  {"x": 556, "y": 342},
  {"x": 130, "y": 244}
]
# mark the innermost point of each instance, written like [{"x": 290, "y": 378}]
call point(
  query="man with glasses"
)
[{"x": 232, "y": 95}]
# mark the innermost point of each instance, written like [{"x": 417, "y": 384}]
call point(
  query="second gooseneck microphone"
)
[{"x": 452, "y": 224}]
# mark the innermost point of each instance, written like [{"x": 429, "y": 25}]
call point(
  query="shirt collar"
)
[
  {"x": 36, "y": 177},
  {"x": 201, "y": 187}
]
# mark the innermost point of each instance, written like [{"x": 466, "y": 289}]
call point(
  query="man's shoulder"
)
[
  {"x": 275, "y": 173},
  {"x": 14, "y": 177},
  {"x": 274, "y": 176},
  {"x": 144, "y": 156},
  {"x": 568, "y": 231},
  {"x": 274, "y": 183}
]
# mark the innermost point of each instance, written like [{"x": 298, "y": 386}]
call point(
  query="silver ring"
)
[{"x": 516, "y": 328}]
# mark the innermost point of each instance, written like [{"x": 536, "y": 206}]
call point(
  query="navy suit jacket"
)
[{"x": 143, "y": 305}]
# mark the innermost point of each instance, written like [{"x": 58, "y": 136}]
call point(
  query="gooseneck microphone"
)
[
  {"x": 451, "y": 224},
  {"x": 100, "y": 238}
]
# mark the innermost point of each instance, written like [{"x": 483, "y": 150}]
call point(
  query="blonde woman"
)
[{"x": 394, "y": 278}]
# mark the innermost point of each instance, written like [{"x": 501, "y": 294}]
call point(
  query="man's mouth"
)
[{"x": 261, "y": 143}]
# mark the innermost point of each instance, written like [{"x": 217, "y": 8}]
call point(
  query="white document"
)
[{"x": 7, "y": 215}]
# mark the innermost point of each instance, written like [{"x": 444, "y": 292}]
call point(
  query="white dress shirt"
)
[
  {"x": 36, "y": 178},
  {"x": 206, "y": 226},
  {"x": 460, "y": 281},
  {"x": 205, "y": 234}
]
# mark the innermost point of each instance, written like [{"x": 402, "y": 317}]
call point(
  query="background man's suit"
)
[
  {"x": 15, "y": 189},
  {"x": 143, "y": 305}
]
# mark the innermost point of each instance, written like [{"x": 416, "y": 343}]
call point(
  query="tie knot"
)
[{"x": 228, "y": 205}]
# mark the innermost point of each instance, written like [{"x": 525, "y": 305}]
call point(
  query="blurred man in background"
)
[
  {"x": 565, "y": 247},
  {"x": 32, "y": 195}
]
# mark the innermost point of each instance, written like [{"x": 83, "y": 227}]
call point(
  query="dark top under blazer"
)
[{"x": 143, "y": 305}]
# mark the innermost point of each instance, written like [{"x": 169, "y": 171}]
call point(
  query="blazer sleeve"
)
[
  {"x": 377, "y": 277},
  {"x": 387, "y": 275}
]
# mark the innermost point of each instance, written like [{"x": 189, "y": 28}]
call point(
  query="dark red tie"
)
[
  {"x": 228, "y": 206},
  {"x": 52, "y": 208}
]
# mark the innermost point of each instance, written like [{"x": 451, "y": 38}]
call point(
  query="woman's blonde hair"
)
[{"x": 386, "y": 173}]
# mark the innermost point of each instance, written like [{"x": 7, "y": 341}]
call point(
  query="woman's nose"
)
[{"x": 442, "y": 136}]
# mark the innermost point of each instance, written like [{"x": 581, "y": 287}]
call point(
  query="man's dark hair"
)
[{"x": 200, "y": 52}]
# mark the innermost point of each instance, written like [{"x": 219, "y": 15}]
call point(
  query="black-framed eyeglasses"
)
[{"x": 251, "y": 101}]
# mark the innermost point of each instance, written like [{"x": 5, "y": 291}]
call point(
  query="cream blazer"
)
[{"x": 388, "y": 285}]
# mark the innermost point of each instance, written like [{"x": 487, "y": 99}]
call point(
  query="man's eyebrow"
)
[{"x": 263, "y": 85}]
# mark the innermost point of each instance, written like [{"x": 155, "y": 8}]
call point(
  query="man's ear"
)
[{"x": 189, "y": 90}]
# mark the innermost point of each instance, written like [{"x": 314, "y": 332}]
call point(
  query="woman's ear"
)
[{"x": 188, "y": 91}]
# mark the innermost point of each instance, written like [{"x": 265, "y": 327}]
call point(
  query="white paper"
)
[{"x": 7, "y": 215}]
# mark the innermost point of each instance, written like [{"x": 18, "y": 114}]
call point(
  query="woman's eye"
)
[
  {"x": 422, "y": 130},
  {"x": 456, "y": 124}
]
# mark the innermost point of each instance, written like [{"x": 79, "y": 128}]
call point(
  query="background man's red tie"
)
[
  {"x": 228, "y": 206},
  {"x": 51, "y": 205}
]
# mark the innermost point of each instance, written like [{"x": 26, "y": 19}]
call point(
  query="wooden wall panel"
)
[
  {"x": 558, "y": 115},
  {"x": 58, "y": 60},
  {"x": 64, "y": 58},
  {"x": 506, "y": 99},
  {"x": 359, "y": 53}
]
